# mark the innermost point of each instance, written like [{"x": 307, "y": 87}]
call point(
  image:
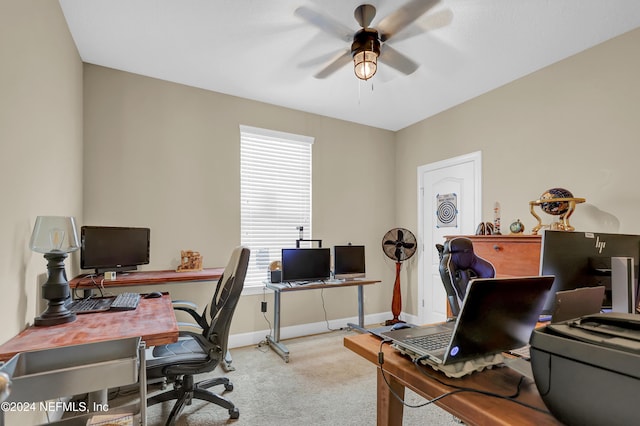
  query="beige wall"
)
[
  {"x": 41, "y": 139},
  {"x": 574, "y": 124},
  {"x": 167, "y": 156}
]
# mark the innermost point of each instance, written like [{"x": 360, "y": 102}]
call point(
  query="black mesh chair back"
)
[{"x": 201, "y": 352}]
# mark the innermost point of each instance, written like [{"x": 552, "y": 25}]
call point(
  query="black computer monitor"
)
[
  {"x": 113, "y": 248},
  {"x": 583, "y": 259},
  {"x": 348, "y": 262},
  {"x": 306, "y": 264}
]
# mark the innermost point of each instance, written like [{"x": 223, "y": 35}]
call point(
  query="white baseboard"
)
[{"x": 290, "y": 332}]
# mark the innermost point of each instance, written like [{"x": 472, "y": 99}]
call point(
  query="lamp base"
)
[
  {"x": 48, "y": 318},
  {"x": 56, "y": 292}
]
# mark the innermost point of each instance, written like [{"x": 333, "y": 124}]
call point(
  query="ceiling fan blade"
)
[
  {"x": 434, "y": 21},
  {"x": 404, "y": 16},
  {"x": 395, "y": 59},
  {"x": 321, "y": 60},
  {"x": 325, "y": 23},
  {"x": 364, "y": 14},
  {"x": 335, "y": 65}
]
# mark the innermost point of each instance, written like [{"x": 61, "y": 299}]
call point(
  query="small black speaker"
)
[{"x": 276, "y": 276}]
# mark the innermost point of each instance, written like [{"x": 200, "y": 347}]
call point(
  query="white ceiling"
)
[{"x": 261, "y": 50}]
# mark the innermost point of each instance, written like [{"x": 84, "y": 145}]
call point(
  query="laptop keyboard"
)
[
  {"x": 431, "y": 342},
  {"x": 87, "y": 306},
  {"x": 121, "y": 302}
]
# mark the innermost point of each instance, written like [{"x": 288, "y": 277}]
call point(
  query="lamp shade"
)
[{"x": 54, "y": 234}]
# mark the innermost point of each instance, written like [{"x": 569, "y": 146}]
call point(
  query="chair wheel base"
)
[{"x": 234, "y": 414}]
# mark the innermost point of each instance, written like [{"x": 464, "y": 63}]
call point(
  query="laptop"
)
[
  {"x": 497, "y": 314},
  {"x": 570, "y": 304}
]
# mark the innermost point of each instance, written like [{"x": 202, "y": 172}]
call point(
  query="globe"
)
[{"x": 555, "y": 208}]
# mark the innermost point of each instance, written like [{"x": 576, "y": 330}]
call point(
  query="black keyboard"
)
[{"x": 125, "y": 302}]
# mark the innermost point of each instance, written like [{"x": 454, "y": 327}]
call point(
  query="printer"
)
[{"x": 587, "y": 370}]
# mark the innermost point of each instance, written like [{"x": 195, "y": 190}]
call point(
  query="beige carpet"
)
[{"x": 323, "y": 384}]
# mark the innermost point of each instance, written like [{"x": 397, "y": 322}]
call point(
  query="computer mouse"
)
[
  {"x": 400, "y": 326},
  {"x": 153, "y": 295}
]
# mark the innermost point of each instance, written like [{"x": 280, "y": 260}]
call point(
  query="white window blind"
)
[{"x": 275, "y": 194}]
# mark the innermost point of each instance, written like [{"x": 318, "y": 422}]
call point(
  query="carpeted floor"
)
[{"x": 323, "y": 384}]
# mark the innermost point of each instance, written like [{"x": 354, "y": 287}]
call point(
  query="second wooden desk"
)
[{"x": 278, "y": 288}]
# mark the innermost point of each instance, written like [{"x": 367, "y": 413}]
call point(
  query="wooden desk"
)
[
  {"x": 153, "y": 320},
  {"x": 278, "y": 288},
  {"x": 124, "y": 279},
  {"x": 471, "y": 408}
]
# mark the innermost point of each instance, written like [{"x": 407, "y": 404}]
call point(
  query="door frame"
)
[{"x": 427, "y": 252}]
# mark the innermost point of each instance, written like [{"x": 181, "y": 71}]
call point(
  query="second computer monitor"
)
[
  {"x": 583, "y": 259},
  {"x": 349, "y": 262},
  {"x": 306, "y": 264}
]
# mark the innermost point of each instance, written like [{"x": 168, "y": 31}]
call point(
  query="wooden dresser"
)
[{"x": 511, "y": 255}]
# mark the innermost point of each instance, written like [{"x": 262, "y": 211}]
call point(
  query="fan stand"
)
[{"x": 396, "y": 302}]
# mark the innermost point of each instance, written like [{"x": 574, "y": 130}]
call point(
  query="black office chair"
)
[
  {"x": 197, "y": 353},
  {"x": 459, "y": 265}
]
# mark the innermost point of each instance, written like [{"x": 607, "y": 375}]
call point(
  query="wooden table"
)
[
  {"x": 470, "y": 407},
  {"x": 154, "y": 320},
  {"x": 278, "y": 288}
]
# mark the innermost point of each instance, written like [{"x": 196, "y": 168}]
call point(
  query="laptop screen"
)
[{"x": 498, "y": 314}]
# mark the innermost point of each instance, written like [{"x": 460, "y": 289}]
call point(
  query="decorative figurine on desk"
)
[
  {"x": 556, "y": 202},
  {"x": 497, "y": 212},
  {"x": 516, "y": 227},
  {"x": 485, "y": 229},
  {"x": 190, "y": 261}
]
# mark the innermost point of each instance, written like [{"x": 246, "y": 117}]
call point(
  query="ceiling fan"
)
[{"x": 368, "y": 44}]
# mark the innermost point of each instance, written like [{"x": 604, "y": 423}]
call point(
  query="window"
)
[{"x": 275, "y": 195}]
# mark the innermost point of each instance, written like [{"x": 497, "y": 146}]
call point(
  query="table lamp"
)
[{"x": 55, "y": 236}]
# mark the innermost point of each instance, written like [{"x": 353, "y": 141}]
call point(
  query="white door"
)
[{"x": 449, "y": 203}]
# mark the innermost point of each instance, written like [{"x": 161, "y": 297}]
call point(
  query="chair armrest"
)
[
  {"x": 184, "y": 304},
  {"x": 189, "y": 325},
  {"x": 190, "y": 308}
]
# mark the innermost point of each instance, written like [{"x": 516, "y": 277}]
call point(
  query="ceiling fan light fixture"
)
[
  {"x": 365, "y": 50},
  {"x": 365, "y": 64}
]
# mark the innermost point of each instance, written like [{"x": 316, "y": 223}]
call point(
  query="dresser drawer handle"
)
[{"x": 497, "y": 247}]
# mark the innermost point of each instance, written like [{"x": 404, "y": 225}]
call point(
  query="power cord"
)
[
  {"x": 398, "y": 397},
  {"x": 326, "y": 319},
  {"x": 99, "y": 286},
  {"x": 264, "y": 343},
  {"x": 511, "y": 398}
]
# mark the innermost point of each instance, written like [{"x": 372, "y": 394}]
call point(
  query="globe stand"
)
[{"x": 563, "y": 223}]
